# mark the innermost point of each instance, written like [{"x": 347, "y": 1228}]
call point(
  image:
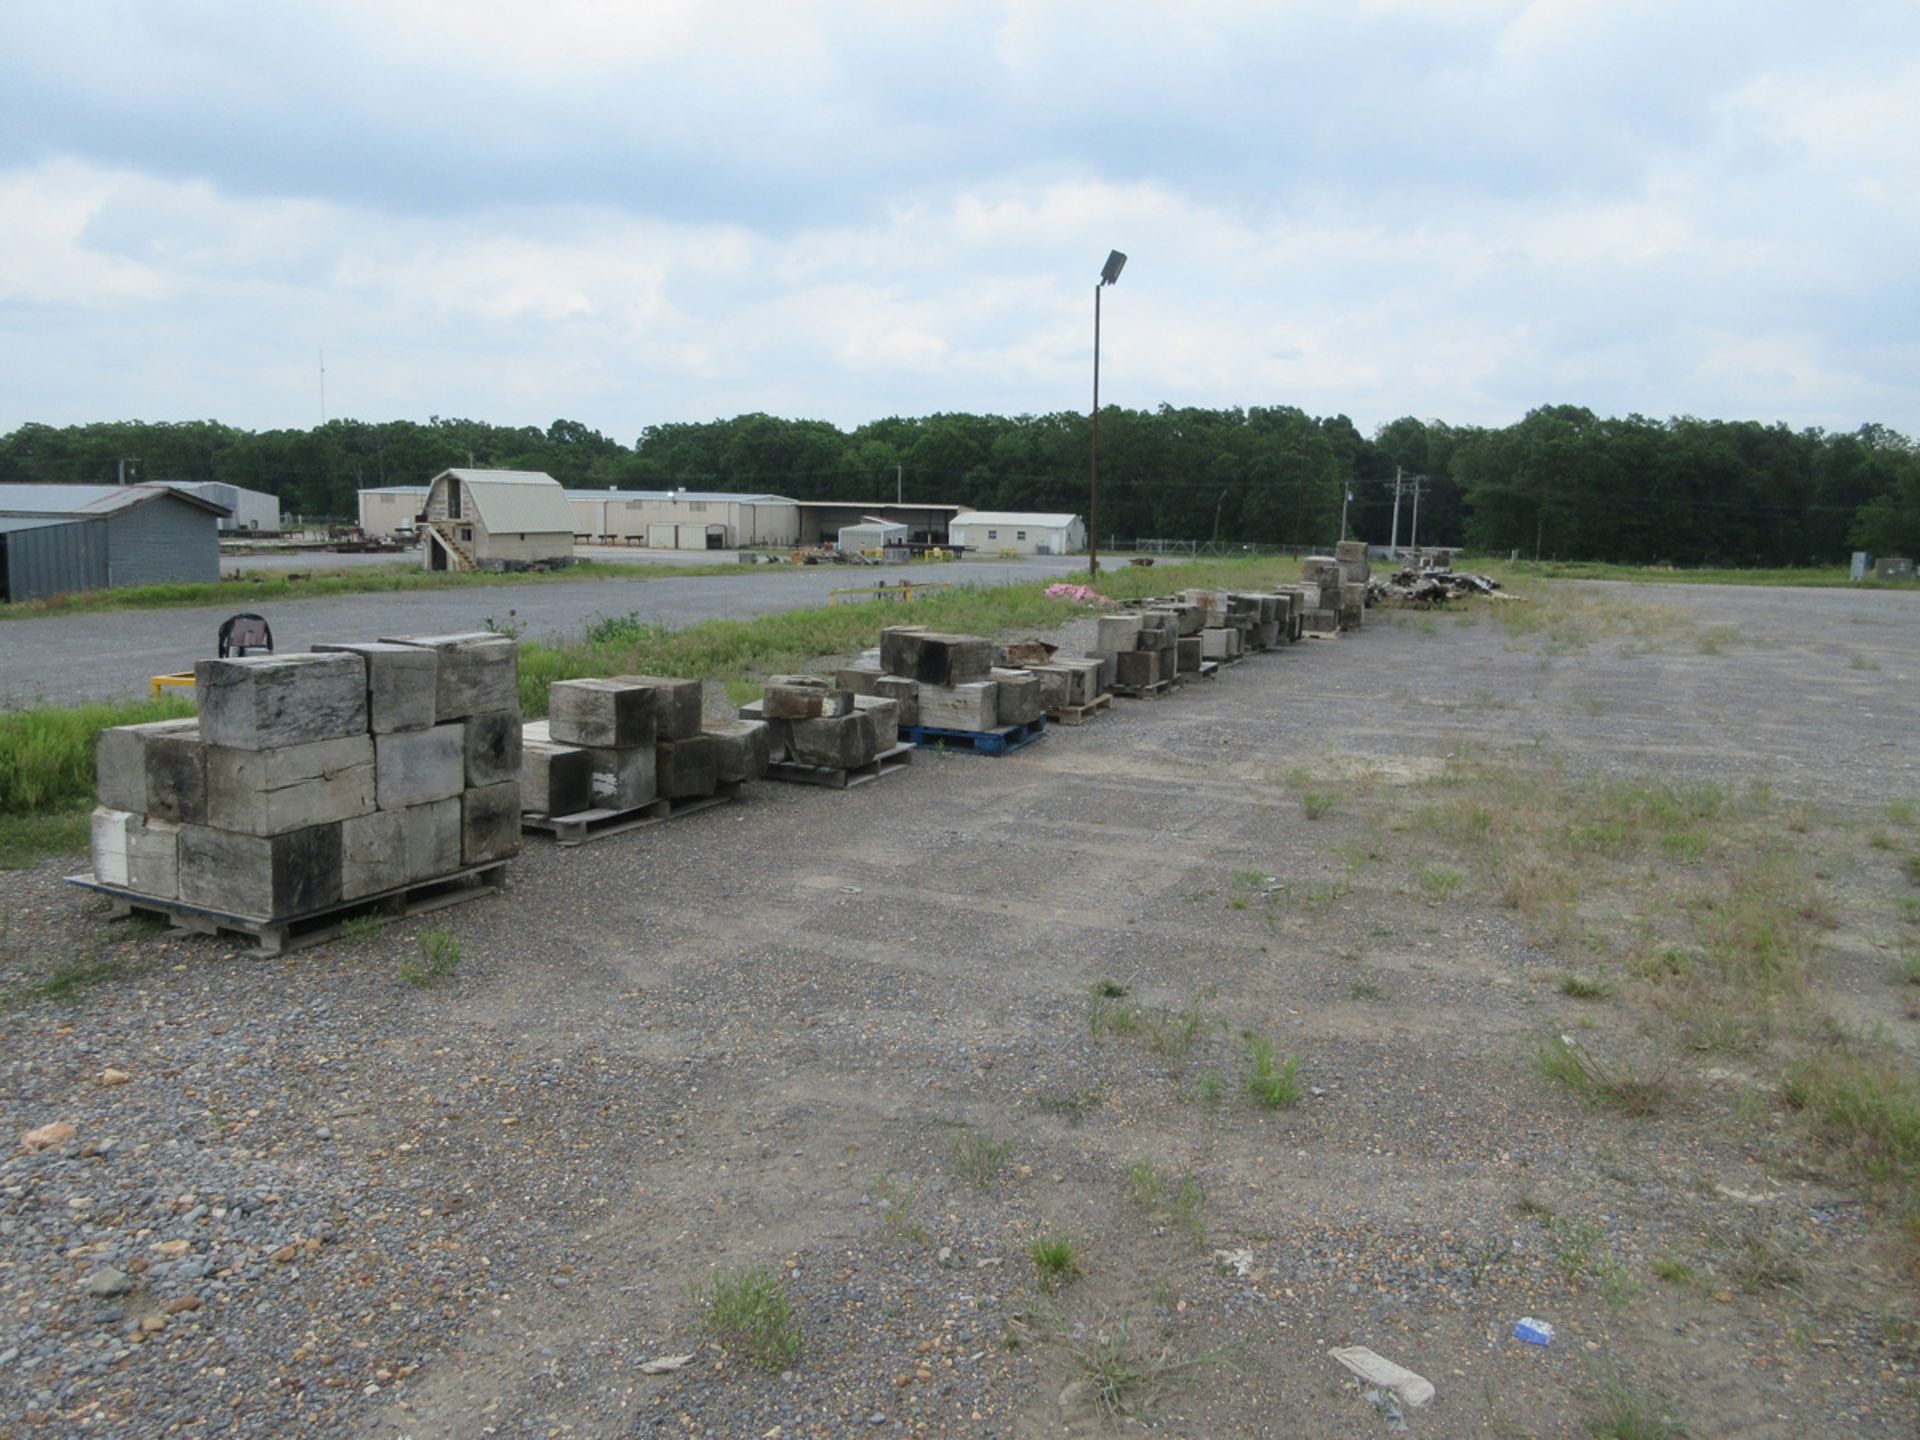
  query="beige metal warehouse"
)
[
  {"x": 991, "y": 531},
  {"x": 683, "y": 519}
]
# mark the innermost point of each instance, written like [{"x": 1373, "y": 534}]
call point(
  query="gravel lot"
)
[
  {"x": 346, "y": 1206},
  {"x": 66, "y": 659}
]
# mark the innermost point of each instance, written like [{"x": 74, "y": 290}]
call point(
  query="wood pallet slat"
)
[
  {"x": 585, "y": 825},
  {"x": 886, "y": 763},
  {"x": 1080, "y": 714},
  {"x": 315, "y": 927}
]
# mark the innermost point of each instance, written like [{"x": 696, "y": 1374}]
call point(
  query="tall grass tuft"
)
[{"x": 46, "y": 753}]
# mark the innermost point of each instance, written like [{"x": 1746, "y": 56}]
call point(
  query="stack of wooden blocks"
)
[
  {"x": 1071, "y": 691},
  {"x": 1355, "y": 570},
  {"x": 633, "y": 746},
  {"x": 310, "y": 781},
  {"x": 823, "y": 732},
  {"x": 1322, "y": 572},
  {"x": 1143, "y": 649}
]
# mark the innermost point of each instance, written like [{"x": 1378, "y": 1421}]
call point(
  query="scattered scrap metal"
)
[{"x": 1433, "y": 587}]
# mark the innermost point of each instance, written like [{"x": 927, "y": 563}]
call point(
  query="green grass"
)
[
  {"x": 1267, "y": 1083},
  {"x": 359, "y": 929},
  {"x": 1674, "y": 1272},
  {"x": 1584, "y": 987},
  {"x": 46, "y": 753},
  {"x": 1863, "y": 1100},
  {"x": 1121, "y": 1382},
  {"x": 1438, "y": 883},
  {"x": 1055, "y": 1260},
  {"x": 1179, "y": 1200},
  {"x": 252, "y": 588},
  {"x": 1619, "y": 1409},
  {"x": 28, "y": 839},
  {"x": 439, "y": 958},
  {"x": 980, "y": 1158},
  {"x": 1821, "y": 575},
  {"x": 748, "y": 1312},
  {"x": 1071, "y": 1106},
  {"x": 1316, "y": 805},
  {"x": 1600, "y": 1083}
]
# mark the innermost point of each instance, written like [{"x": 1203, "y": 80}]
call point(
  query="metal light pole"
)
[{"x": 1109, "y": 273}]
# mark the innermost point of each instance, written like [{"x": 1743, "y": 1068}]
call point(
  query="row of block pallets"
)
[{"x": 388, "y": 778}]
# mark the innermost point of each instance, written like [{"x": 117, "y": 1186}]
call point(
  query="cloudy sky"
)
[{"x": 635, "y": 211}]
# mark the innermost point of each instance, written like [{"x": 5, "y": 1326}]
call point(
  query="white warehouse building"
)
[
  {"x": 1020, "y": 532},
  {"x": 683, "y": 519}
]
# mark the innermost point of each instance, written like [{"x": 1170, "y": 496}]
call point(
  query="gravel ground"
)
[
  {"x": 340, "y": 1205},
  {"x": 66, "y": 659}
]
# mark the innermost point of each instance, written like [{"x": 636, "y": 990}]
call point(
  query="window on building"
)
[
  {"x": 993, "y": 534},
  {"x": 697, "y": 507},
  {"x": 1019, "y": 534}
]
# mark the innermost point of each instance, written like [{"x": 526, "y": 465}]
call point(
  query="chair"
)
[{"x": 244, "y": 634}]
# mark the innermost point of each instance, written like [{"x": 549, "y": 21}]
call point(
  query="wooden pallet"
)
[
  {"x": 1001, "y": 740},
  {"x": 885, "y": 763},
  {"x": 1209, "y": 670},
  {"x": 1145, "y": 692},
  {"x": 585, "y": 825},
  {"x": 1080, "y": 714},
  {"x": 315, "y": 927}
]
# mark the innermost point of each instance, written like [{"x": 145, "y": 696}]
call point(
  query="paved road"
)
[
  {"x": 273, "y": 561},
  {"x": 66, "y": 659}
]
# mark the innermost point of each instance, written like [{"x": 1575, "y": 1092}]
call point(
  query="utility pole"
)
[
  {"x": 1413, "y": 540},
  {"x": 1394, "y": 546},
  {"x": 1346, "y": 495},
  {"x": 899, "y": 485}
]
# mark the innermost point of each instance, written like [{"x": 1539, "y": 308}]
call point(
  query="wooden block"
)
[
  {"x": 885, "y": 715},
  {"x": 1087, "y": 680},
  {"x": 903, "y": 692},
  {"x": 1109, "y": 661},
  {"x": 974, "y": 706},
  {"x": 1138, "y": 669},
  {"x": 741, "y": 748},
  {"x": 403, "y": 683},
  {"x": 1018, "y": 702},
  {"x": 803, "y": 697},
  {"x": 291, "y": 787},
  {"x": 1156, "y": 638},
  {"x": 858, "y": 679},
  {"x": 492, "y": 748},
  {"x": 1117, "y": 632},
  {"x": 263, "y": 877},
  {"x": 838, "y": 742},
  {"x": 373, "y": 854},
  {"x": 477, "y": 671},
  {"x": 1025, "y": 654},
  {"x": 1056, "y": 685},
  {"x": 1191, "y": 651},
  {"x": 260, "y": 702},
  {"x": 159, "y": 768},
  {"x": 935, "y": 659},
  {"x": 413, "y": 767},
  {"x": 137, "y": 852},
  {"x": 432, "y": 839},
  {"x": 1164, "y": 618},
  {"x": 678, "y": 707},
  {"x": 555, "y": 779},
  {"x": 1214, "y": 641},
  {"x": 687, "y": 769},
  {"x": 609, "y": 713},
  {"x": 779, "y": 732},
  {"x": 490, "y": 823},
  {"x": 619, "y": 779}
]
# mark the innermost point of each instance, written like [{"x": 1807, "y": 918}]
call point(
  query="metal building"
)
[
  {"x": 496, "y": 520},
  {"x": 1019, "y": 532},
  {"x": 249, "y": 512},
  {"x": 683, "y": 519},
  {"x": 55, "y": 539}
]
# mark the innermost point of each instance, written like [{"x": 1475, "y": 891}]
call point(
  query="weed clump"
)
[{"x": 748, "y": 1311}]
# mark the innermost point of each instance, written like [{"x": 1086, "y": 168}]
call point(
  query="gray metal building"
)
[{"x": 60, "y": 538}]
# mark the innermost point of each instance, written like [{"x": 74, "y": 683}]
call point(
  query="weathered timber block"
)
[
  {"x": 373, "y": 854},
  {"x": 885, "y": 715},
  {"x": 490, "y": 823},
  {"x": 403, "y": 683},
  {"x": 1138, "y": 669},
  {"x": 137, "y": 852},
  {"x": 492, "y": 748},
  {"x": 1155, "y": 639},
  {"x": 779, "y": 732},
  {"x": 1266, "y": 634},
  {"x": 1214, "y": 641},
  {"x": 838, "y": 742},
  {"x": 973, "y": 706},
  {"x": 1109, "y": 662},
  {"x": 413, "y": 767},
  {"x": 1116, "y": 632},
  {"x": 612, "y": 714},
  {"x": 555, "y": 779},
  {"x": 933, "y": 658},
  {"x": 742, "y": 748},
  {"x": 1024, "y": 654},
  {"x": 1056, "y": 685},
  {"x": 257, "y": 702},
  {"x": 263, "y": 877},
  {"x": 432, "y": 838},
  {"x": 677, "y": 704},
  {"x": 1164, "y": 618},
  {"x": 159, "y": 768},
  {"x": 1191, "y": 650},
  {"x": 858, "y": 679},
  {"x": 687, "y": 769},
  {"x": 1018, "y": 702},
  {"x": 903, "y": 692},
  {"x": 1087, "y": 679},
  {"x": 620, "y": 779},
  {"x": 291, "y": 787},
  {"x": 478, "y": 671},
  {"x": 803, "y": 697},
  {"x": 1352, "y": 550}
]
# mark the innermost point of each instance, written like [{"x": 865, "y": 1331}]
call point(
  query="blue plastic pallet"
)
[{"x": 1003, "y": 740}]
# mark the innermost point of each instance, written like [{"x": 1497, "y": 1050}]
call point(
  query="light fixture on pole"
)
[{"x": 1109, "y": 273}]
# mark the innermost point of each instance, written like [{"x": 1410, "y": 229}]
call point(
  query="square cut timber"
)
[
  {"x": 577, "y": 829},
  {"x": 887, "y": 762},
  {"x": 317, "y": 927},
  {"x": 1001, "y": 740}
]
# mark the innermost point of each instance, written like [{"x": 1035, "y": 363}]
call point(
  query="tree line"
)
[{"x": 1561, "y": 482}]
